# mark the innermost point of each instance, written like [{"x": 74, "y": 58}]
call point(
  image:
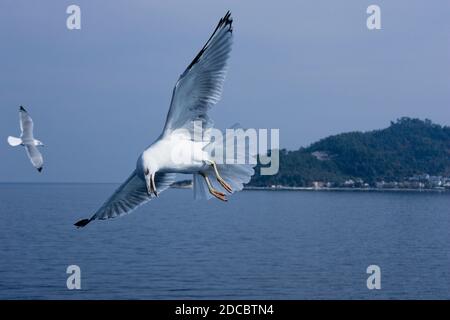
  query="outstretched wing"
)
[
  {"x": 26, "y": 124},
  {"x": 35, "y": 156},
  {"x": 200, "y": 85},
  {"x": 130, "y": 195}
]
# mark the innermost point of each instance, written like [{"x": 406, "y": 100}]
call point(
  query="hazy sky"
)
[{"x": 99, "y": 95}]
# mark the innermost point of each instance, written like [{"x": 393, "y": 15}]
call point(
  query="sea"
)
[{"x": 258, "y": 245}]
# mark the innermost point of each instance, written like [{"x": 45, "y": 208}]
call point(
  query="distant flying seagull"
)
[
  {"x": 196, "y": 91},
  {"x": 27, "y": 140}
]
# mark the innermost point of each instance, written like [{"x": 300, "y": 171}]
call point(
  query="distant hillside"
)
[{"x": 406, "y": 148}]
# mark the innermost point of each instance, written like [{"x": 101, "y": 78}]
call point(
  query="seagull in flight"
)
[
  {"x": 27, "y": 140},
  {"x": 198, "y": 88}
]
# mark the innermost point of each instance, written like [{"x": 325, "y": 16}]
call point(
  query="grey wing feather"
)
[
  {"x": 200, "y": 85},
  {"x": 35, "y": 156},
  {"x": 26, "y": 124},
  {"x": 130, "y": 195}
]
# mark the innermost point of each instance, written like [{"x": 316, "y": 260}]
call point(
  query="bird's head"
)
[{"x": 149, "y": 169}]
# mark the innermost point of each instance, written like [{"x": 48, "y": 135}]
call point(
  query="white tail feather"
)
[
  {"x": 236, "y": 175},
  {"x": 14, "y": 142},
  {"x": 200, "y": 188}
]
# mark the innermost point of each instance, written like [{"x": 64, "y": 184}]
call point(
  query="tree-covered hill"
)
[{"x": 407, "y": 147}]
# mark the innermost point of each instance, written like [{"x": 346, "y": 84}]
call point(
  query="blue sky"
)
[{"x": 99, "y": 95}]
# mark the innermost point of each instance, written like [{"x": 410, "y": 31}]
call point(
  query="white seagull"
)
[
  {"x": 27, "y": 140},
  {"x": 198, "y": 88}
]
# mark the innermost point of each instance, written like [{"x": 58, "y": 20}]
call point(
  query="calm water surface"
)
[{"x": 259, "y": 245}]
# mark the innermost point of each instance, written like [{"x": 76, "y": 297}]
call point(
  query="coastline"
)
[
  {"x": 285, "y": 188},
  {"x": 255, "y": 188},
  {"x": 347, "y": 189}
]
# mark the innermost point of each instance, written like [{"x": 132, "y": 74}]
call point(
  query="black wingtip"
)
[
  {"x": 227, "y": 20},
  {"x": 82, "y": 223},
  {"x": 39, "y": 169},
  {"x": 22, "y": 109}
]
